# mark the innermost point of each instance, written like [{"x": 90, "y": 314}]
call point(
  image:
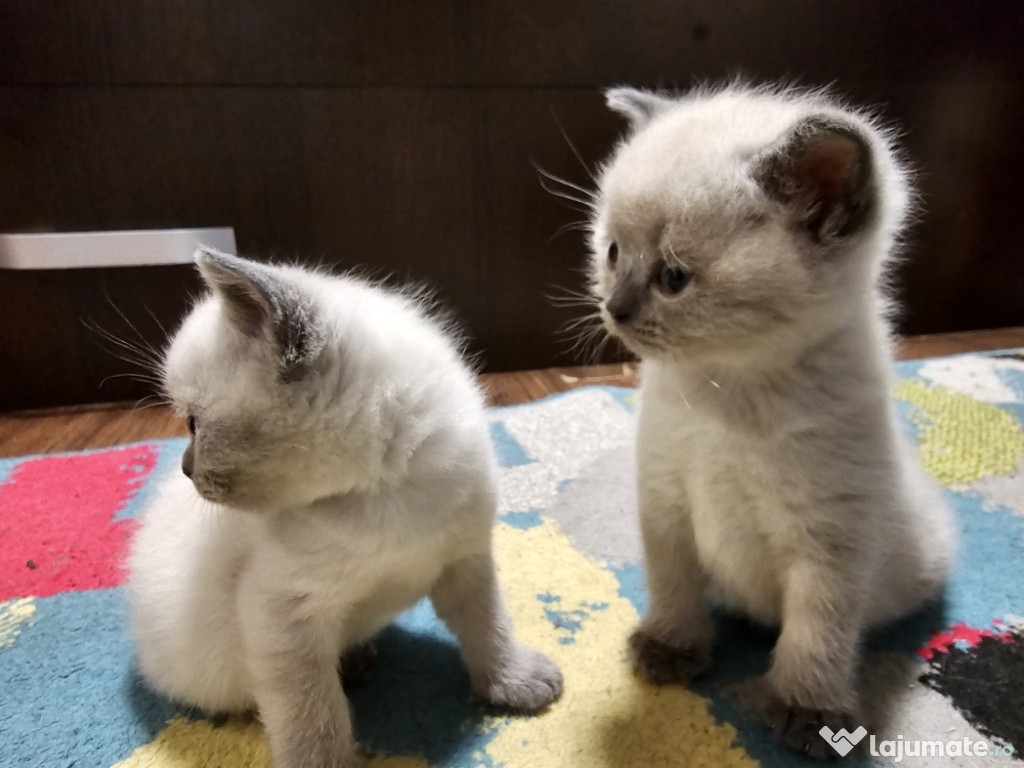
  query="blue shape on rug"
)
[
  {"x": 524, "y": 521},
  {"x": 508, "y": 450},
  {"x": 418, "y": 701},
  {"x": 70, "y": 693}
]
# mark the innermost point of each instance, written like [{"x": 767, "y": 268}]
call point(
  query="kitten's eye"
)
[
  {"x": 673, "y": 279},
  {"x": 191, "y": 424},
  {"x": 613, "y": 254}
]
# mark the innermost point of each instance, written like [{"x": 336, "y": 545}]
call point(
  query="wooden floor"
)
[{"x": 75, "y": 429}]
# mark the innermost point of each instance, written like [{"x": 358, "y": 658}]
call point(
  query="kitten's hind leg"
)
[
  {"x": 501, "y": 672},
  {"x": 673, "y": 642}
]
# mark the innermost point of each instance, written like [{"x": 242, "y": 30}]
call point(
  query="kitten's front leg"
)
[
  {"x": 811, "y": 680},
  {"x": 293, "y": 663},
  {"x": 673, "y": 642},
  {"x": 502, "y": 672}
]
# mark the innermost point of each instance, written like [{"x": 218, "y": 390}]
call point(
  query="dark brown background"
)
[{"x": 402, "y": 136}]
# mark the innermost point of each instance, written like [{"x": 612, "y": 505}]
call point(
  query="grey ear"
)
[
  {"x": 639, "y": 107},
  {"x": 262, "y": 305},
  {"x": 823, "y": 172}
]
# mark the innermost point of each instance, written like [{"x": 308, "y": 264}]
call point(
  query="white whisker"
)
[
  {"x": 590, "y": 195},
  {"x": 573, "y": 149},
  {"x": 588, "y": 205}
]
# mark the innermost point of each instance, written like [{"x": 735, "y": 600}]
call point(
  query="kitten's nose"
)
[
  {"x": 186, "y": 462},
  {"x": 622, "y": 306}
]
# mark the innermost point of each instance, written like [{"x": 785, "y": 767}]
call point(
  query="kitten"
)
[
  {"x": 339, "y": 469},
  {"x": 739, "y": 240}
]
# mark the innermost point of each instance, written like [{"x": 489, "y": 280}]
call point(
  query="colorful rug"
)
[{"x": 570, "y": 555}]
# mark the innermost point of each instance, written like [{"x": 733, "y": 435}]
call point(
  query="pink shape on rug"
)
[
  {"x": 57, "y": 532},
  {"x": 942, "y": 641}
]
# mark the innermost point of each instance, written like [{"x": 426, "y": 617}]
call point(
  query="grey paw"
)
[
  {"x": 659, "y": 662},
  {"x": 800, "y": 728},
  {"x": 357, "y": 663},
  {"x": 527, "y": 684},
  {"x": 795, "y": 726}
]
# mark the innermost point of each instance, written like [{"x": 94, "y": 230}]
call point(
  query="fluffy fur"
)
[
  {"x": 740, "y": 241},
  {"x": 340, "y": 469}
]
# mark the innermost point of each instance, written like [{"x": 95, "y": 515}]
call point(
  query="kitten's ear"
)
[
  {"x": 263, "y": 306},
  {"x": 242, "y": 288},
  {"x": 639, "y": 107},
  {"x": 822, "y": 171}
]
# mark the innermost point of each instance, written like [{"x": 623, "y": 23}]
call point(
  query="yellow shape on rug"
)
[
  {"x": 962, "y": 439},
  {"x": 184, "y": 744},
  {"x": 606, "y": 718},
  {"x": 239, "y": 743},
  {"x": 14, "y": 616}
]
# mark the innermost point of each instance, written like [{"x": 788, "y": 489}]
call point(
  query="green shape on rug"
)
[{"x": 962, "y": 439}]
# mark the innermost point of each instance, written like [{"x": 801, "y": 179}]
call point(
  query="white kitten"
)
[
  {"x": 340, "y": 469},
  {"x": 739, "y": 240}
]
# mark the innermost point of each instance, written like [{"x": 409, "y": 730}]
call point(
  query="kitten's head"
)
[
  {"x": 740, "y": 221},
  {"x": 255, "y": 368}
]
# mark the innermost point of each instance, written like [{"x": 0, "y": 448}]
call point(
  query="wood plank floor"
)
[{"x": 73, "y": 429}]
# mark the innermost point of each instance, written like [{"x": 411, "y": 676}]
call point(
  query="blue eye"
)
[
  {"x": 673, "y": 279},
  {"x": 613, "y": 254}
]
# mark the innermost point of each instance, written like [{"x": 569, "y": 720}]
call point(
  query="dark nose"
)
[
  {"x": 622, "y": 306},
  {"x": 186, "y": 461}
]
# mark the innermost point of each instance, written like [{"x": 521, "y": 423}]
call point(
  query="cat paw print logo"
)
[{"x": 842, "y": 741}]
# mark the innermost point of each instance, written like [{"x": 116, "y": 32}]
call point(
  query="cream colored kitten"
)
[
  {"x": 340, "y": 468},
  {"x": 740, "y": 240}
]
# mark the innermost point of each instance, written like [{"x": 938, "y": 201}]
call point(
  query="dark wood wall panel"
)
[
  {"x": 407, "y": 184},
  {"x": 402, "y": 138},
  {"x": 493, "y": 42},
  {"x": 53, "y": 349}
]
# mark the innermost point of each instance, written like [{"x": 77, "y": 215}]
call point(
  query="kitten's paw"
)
[
  {"x": 357, "y": 663},
  {"x": 528, "y": 683},
  {"x": 795, "y": 726},
  {"x": 659, "y": 662}
]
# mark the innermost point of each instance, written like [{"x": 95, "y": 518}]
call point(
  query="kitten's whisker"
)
[
  {"x": 572, "y": 325},
  {"x": 140, "y": 363},
  {"x": 584, "y": 338},
  {"x": 675, "y": 256},
  {"x": 710, "y": 381},
  {"x": 158, "y": 401},
  {"x": 578, "y": 337},
  {"x": 580, "y": 226},
  {"x": 142, "y": 378},
  {"x": 599, "y": 349},
  {"x": 590, "y": 195},
  {"x": 588, "y": 206},
  {"x": 685, "y": 399},
  {"x": 143, "y": 357},
  {"x": 569, "y": 304},
  {"x": 573, "y": 292},
  {"x": 571, "y": 298},
  {"x": 144, "y": 342},
  {"x": 156, "y": 320},
  {"x": 573, "y": 149}
]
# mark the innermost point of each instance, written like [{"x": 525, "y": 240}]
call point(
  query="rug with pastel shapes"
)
[{"x": 571, "y": 562}]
